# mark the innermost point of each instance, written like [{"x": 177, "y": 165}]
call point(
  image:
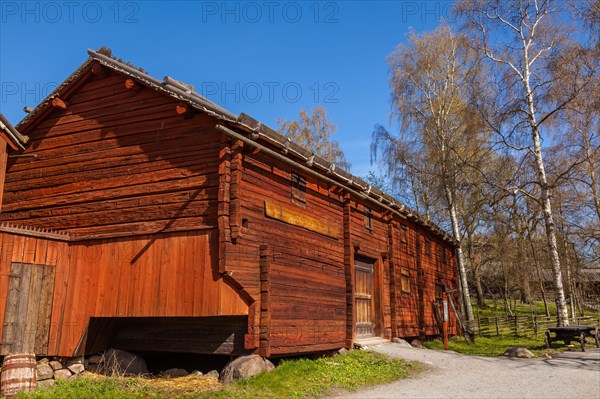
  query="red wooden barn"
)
[{"x": 139, "y": 215}]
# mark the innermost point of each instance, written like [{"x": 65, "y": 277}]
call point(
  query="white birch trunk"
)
[
  {"x": 462, "y": 270},
  {"x": 561, "y": 303},
  {"x": 563, "y": 315}
]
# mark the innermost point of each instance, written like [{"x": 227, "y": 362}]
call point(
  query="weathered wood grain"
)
[{"x": 296, "y": 218}]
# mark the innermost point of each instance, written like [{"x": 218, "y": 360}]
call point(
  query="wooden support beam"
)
[
  {"x": 99, "y": 71},
  {"x": 132, "y": 85},
  {"x": 420, "y": 282},
  {"x": 393, "y": 275},
  {"x": 348, "y": 271},
  {"x": 265, "y": 301},
  {"x": 235, "y": 206},
  {"x": 223, "y": 202},
  {"x": 60, "y": 104},
  {"x": 184, "y": 110}
]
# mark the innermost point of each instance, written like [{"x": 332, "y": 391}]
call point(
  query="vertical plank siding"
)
[
  {"x": 20, "y": 257},
  {"x": 166, "y": 275}
]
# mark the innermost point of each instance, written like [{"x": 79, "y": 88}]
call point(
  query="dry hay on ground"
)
[
  {"x": 182, "y": 385},
  {"x": 167, "y": 385}
]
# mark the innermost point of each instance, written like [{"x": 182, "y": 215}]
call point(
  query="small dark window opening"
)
[
  {"x": 443, "y": 256},
  {"x": 439, "y": 290},
  {"x": 405, "y": 281},
  {"x": 298, "y": 189},
  {"x": 368, "y": 218},
  {"x": 427, "y": 247},
  {"x": 403, "y": 235}
]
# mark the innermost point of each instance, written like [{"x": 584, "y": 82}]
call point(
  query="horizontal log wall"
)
[
  {"x": 306, "y": 274},
  {"x": 115, "y": 162},
  {"x": 436, "y": 271},
  {"x": 307, "y": 303},
  {"x": 407, "y": 300}
]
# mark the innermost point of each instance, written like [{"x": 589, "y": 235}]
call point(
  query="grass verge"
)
[
  {"x": 299, "y": 378},
  {"x": 491, "y": 346},
  {"x": 496, "y": 346}
]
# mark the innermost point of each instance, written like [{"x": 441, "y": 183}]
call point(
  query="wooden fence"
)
[{"x": 520, "y": 325}]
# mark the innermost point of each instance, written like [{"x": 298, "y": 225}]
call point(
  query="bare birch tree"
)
[
  {"x": 314, "y": 132},
  {"x": 441, "y": 135}
]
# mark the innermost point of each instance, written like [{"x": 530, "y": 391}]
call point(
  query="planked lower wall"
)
[
  {"x": 171, "y": 274},
  {"x": 167, "y": 275}
]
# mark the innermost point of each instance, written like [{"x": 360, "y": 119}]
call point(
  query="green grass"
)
[
  {"x": 492, "y": 346},
  {"x": 496, "y": 346},
  {"x": 299, "y": 378},
  {"x": 105, "y": 388},
  {"x": 305, "y": 378}
]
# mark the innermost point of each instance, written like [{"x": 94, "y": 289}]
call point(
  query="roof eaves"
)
[
  {"x": 258, "y": 131},
  {"x": 18, "y": 140}
]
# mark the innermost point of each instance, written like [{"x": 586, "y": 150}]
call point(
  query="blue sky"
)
[{"x": 268, "y": 59}]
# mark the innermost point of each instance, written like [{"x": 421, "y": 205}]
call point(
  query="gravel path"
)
[{"x": 452, "y": 375}]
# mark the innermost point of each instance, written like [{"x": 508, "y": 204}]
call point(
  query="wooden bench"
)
[{"x": 573, "y": 333}]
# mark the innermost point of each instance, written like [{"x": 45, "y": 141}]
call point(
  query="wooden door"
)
[
  {"x": 364, "y": 300},
  {"x": 28, "y": 309}
]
